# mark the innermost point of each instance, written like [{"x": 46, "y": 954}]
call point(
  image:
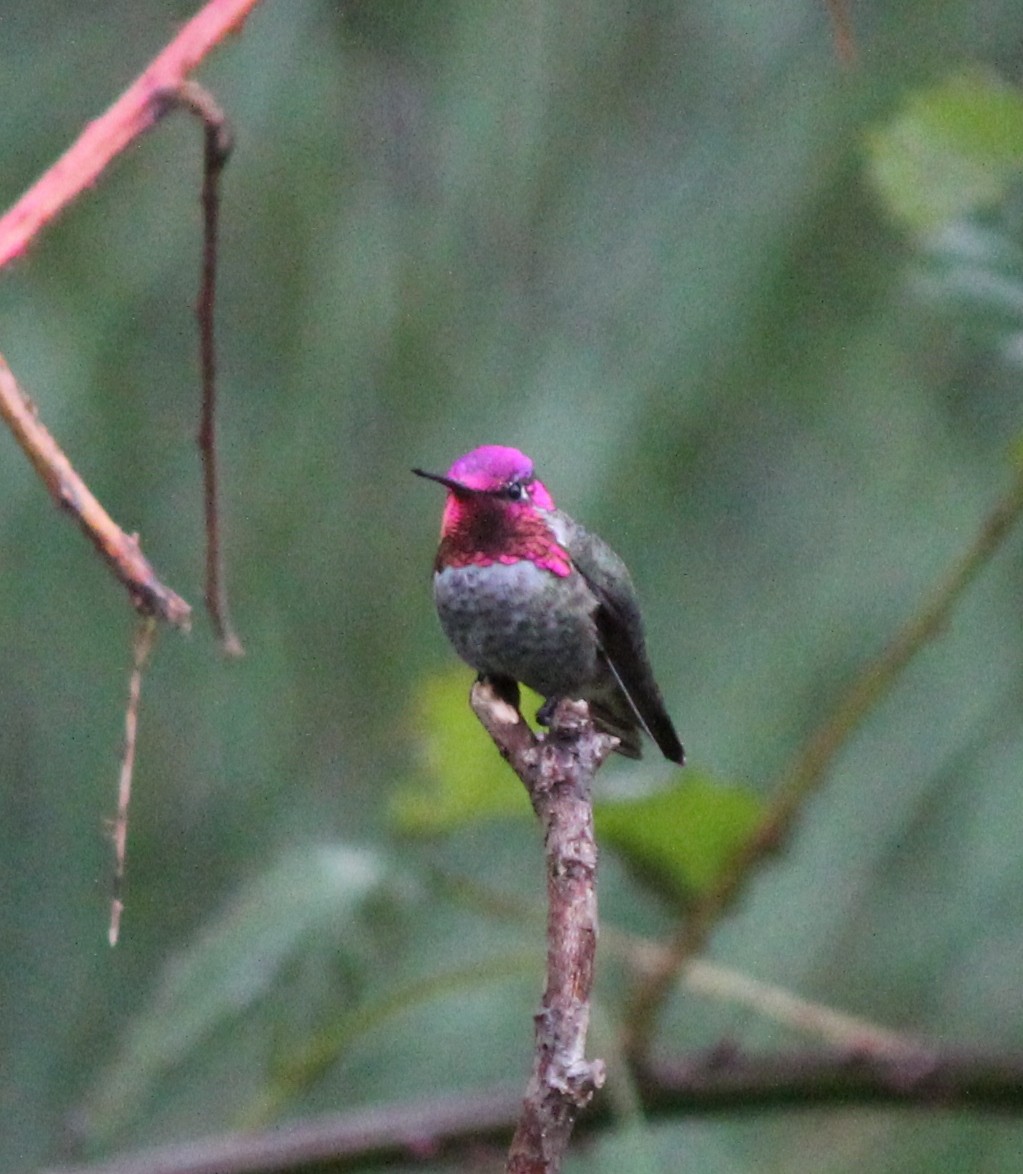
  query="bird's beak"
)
[{"x": 454, "y": 486}]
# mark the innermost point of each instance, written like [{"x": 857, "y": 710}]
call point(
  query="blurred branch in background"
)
[
  {"x": 807, "y": 773},
  {"x": 217, "y": 145},
  {"x": 720, "y": 1079},
  {"x": 120, "y": 551},
  {"x": 162, "y": 87},
  {"x": 842, "y": 26},
  {"x": 140, "y": 107},
  {"x": 145, "y": 636}
]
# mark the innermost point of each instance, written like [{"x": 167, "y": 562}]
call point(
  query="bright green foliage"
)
[
  {"x": 680, "y": 839},
  {"x": 952, "y": 149},
  {"x": 462, "y": 779}
]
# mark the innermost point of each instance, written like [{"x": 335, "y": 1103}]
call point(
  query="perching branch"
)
[
  {"x": 557, "y": 771},
  {"x": 810, "y": 768}
]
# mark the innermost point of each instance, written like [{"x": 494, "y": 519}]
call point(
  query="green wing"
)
[{"x": 620, "y": 630}]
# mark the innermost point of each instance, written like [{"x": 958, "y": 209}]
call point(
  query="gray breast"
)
[{"x": 522, "y": 622}]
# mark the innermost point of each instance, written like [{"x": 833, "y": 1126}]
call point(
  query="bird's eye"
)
[{"x": 516, "y": 491}]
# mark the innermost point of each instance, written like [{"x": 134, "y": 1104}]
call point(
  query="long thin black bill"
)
[{"x": 454, "y": 486}]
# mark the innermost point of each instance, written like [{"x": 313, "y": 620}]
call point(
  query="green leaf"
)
[
  {"x": 463, "y": 778},
  {"x": 952, "y": 150},
  {"x": 235, "y": 962},
  {"x": 679, "y": 840}
]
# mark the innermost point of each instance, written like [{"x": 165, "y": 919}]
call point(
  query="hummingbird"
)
[{"x": 527, "y": 595}]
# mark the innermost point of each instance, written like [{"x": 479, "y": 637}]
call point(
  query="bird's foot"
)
[{"x": 546, "y": 711}]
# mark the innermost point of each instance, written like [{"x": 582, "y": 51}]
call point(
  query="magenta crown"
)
[
  {"x": 492, "y": 470},
  {"x": 491, "y": 465}
]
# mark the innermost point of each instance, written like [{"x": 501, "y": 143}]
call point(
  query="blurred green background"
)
[{"x": 641, "y": 242}]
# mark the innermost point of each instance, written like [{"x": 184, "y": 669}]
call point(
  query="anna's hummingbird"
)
[{"x": 525, "y": 594}]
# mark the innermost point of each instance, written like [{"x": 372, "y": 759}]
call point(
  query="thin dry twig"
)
[
  {"x": 557, "y": 772},
  {"x": 810, "y": 767},
  {"x": 217, "y": 145},
  {"x": 138, "y": 109},
  {"x": 119, "y": 550},
  {"x": 142, "y": 645}
]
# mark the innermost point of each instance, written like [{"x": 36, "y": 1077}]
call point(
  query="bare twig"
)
[
  {"x": 142, "y": 645},
  {"x": 718, "y": 1080},
  {"x": 138, "y": 108},
  {"x": 217, "y": 144},
  {"x": 810, "y": 767},
  {"x": 120, "y": 551},
  {"x": 557, "y": 772}
]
